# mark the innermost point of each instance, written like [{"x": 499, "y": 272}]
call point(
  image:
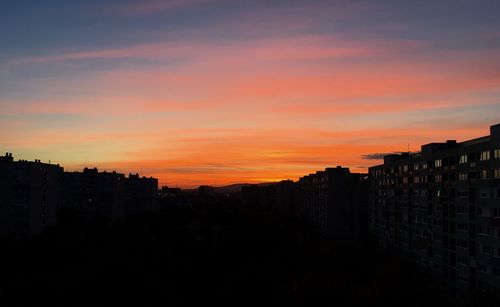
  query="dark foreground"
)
[{"x": 216, "y": 253}]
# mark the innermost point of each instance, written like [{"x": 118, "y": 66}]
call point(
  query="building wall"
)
[
  {"x": 29, "y": 196},
  {"x": 95, "y": 194},
  {"x": 141, "y": 195},
  {"x": 334, "y": 201},
  {"x": 442, "y": 206}
]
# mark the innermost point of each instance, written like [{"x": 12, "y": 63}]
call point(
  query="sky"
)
[{"x": 218, "y": 92}]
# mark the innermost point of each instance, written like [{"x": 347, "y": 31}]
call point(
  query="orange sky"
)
[{"x": 198, "y": 92}]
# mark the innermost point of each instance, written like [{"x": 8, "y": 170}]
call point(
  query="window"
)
[
  {"x": 416, "y": 166},
  {"x": 485, "y": 155},
  {"x": 424, "y": 165},
  {"x": 496, "y": 212},
  {"x": 462, "y": 260},
  {"x": 484, "y": 174},
  {"x": 405, "y": 168},
  {"x": 483, "y": 211},
  {"x": 484, "y": 193},
  {"x": 462, "y": 226},
  {"x": 483, "y": 268},
  {"x": 463, "y": 176},
  {"x": 438, "y": 163},
  {"x": 438, "y": 178},
  {"x": 496, "y": 271},
  {"x": 462, "y": 243},
  {"x": 484, "y": 230},
  {"x": 497, "y": 153},
  {"x": 463, "y": 159},
  {"x": 462, "y": 194},
  {"x": 486, "y": 249},
  {"x": 417, "y": 179},
  {"x": 497, "y": 174}
]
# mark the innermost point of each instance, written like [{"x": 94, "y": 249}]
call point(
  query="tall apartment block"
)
[
  {"x": 335, "y": 200},
  {"x": 442, "y": 206},
  {"x": 109, "y": 195},
  {"x": 95, "y": 194},
  {"x": 141, "y": 195},
  {"x": 29, "y": 196}
]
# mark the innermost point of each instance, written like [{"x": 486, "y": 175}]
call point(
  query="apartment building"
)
[
  {"x": 29, "y": 196},
  {"x": 442, "y": 207},
  {"x": 141, "y": 195},
  {"x": 95, "y": 194},
  {"x": 335, "y": 200}
]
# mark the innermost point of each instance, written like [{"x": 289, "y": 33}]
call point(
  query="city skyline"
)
[{"x": 217, "y": 92}]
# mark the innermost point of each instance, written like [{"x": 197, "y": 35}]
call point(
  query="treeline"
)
[{"x": 217, "y": 253}]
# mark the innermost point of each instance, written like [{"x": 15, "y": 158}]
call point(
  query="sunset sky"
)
[{"x": 218, "y": 92}]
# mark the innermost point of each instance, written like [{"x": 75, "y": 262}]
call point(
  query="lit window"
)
[
  {"x": 484, "y": 174},
  {"x": 497, "y": 174},
  {"x": 485, "y": 155},
  {"x": 463, "y": 159},
  {"x": 438, "y": 178},
  {"x": 463, "y": 176},
  {"x": 416, "y": 166},
  {"x": 497, "y": 153},
  {"x": 438, "y": 163}
]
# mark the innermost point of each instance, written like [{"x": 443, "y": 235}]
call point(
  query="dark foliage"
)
[{"x": 219, "y": 253}]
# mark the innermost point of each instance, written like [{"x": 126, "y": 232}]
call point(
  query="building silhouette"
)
[
  {"x": 109, "y": 195},
  {"x": 442, "y": 206},
  {"x": 206, "y": 191},
  {"x": 95, "y": 194},
  {"x": 141, "y": 195},
  {"x": 336, "y": 201},
  {"x": 32, "y": 194},
  {"x": 29, "y": 196},
  {"x": 259, "y": 195}
]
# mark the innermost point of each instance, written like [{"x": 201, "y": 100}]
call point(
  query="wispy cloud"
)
[
  {"x": 149, "y": 7},
  {"x": 378, "y": 155}
]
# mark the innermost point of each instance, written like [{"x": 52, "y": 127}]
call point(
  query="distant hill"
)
[{"x": 232, "y": 188}]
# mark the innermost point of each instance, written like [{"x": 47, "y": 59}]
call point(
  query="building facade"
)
[
  {"x": 95, "y": 194},
  {"x": 29, "y": 196},
  {"x": 336, "y": 201},
  {"x": 141, "y": 195},
  {"x": 109, "y": 195},
  {"x": 442, "y": 206}
]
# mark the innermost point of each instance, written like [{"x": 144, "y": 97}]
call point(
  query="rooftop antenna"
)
[{"x": 408, "y": 145}]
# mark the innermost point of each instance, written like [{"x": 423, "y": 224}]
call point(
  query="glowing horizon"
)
[{"x": 217, "y": 92}]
